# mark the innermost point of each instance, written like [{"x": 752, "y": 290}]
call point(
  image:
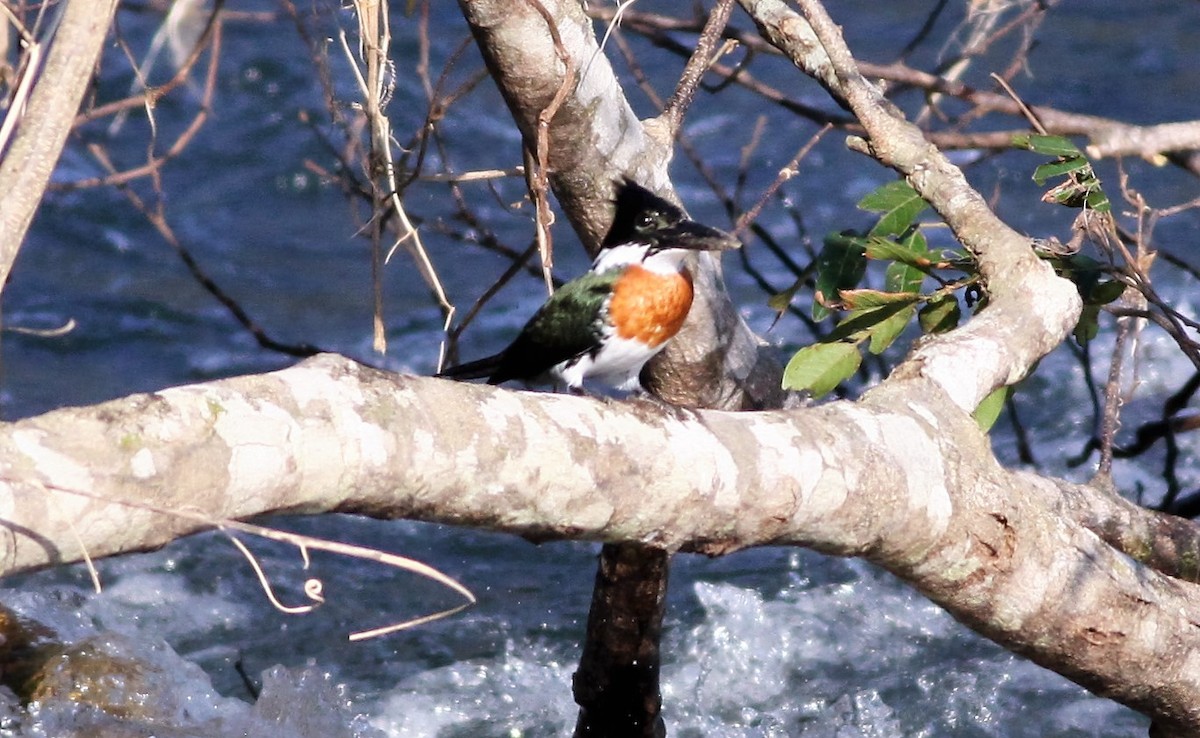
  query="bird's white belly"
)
[{"x": 617, "y": 363}]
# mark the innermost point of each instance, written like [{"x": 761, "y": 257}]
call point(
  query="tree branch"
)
[
  {"x": 1024, "y": 294},
  {"x": 902, "y": 478},
  {"x": 43, "y": 126}
]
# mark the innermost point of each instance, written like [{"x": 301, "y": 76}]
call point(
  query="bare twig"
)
[
  {"x": 789, "y": 170},
  {"x": 158, "y": 220},
  {"x": 45, "y": 122},
  {"x": 699, "y": 62},
  {"x": 538, "y": 163},
  {"x": 209, "y": 39},
  {"x": 312, "y": 587},
  {"x": 375, "y": 87}
]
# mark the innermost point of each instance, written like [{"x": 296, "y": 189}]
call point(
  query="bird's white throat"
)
[{"x": 666, "y": 261}]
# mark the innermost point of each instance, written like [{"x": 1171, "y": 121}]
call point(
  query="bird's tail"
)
[{"x": 477, "y": 369}]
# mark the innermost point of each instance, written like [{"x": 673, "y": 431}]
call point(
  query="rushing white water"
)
[{"x": 765, "y": 643}]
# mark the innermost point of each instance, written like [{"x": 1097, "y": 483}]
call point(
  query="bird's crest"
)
[{"x": 642, "y": 217}]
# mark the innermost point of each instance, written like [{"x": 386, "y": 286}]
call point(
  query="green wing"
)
[{"x": 563, "y": 328}]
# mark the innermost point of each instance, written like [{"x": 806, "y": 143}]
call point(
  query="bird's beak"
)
[{"x": 688, "y": 234}]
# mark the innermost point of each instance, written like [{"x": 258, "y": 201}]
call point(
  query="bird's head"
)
[{"x": 646, "y": 220}]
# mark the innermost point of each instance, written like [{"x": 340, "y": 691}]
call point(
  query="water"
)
[
  {"x": 781, "y": 643},
  {"x": 768, "y": 642}
]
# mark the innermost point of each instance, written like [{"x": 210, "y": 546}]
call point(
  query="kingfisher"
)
[{"x": 606, "y": 324}]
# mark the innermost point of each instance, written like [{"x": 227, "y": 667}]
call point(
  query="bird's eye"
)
[{"x": 645, "y": 221}]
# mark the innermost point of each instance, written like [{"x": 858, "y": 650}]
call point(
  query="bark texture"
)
[
  {"x": 902, "y": 477},
  {"x": 617, "y": 684}
]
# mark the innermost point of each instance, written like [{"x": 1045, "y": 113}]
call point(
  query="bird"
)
[{"x": 606, "y": 324}]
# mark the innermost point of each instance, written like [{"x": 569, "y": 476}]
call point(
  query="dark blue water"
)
[{"x": 769, "y": 642}]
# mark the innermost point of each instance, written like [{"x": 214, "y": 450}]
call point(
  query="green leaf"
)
[
  {"x": 960, "y": 260},
  {"x": 902, "y": 276},
  {"x": 1087, "y": 274},
  {"x": 1080, "y": 187},
  {"x": 886, "y": 332},
  {"x": 989, "y": 410},
  {"x": 1081, "y": 269},
  {"x": 912, "y": 249},
  {"x": 903, "y": 284},
  {"x": 885, "y": 249},
  {"x": 901, "y": 279},
  {"x": 821, "y": 367},
  {"x": 840, "y": 266},
  {"x": 899, "y": 205},
  {"x": 781, "y": 300},
  {"x": 867, "y": 299},
  {"x": 1098, "y": 201},
  {"x": 940, "y": 314},
  {"x": 1078, "y": 262},
  {"x": 1058, "y": 168},
  {"x": 1067, "y": 194},
  {"x": 1048, "y": 145},
  {"x": 860, "y": 324},
  {"x": 888, "y": 196}
]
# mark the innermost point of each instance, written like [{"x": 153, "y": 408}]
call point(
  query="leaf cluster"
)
[
  {"x": 1080, "y": 187},
  {"x": 871, "y": 320}
]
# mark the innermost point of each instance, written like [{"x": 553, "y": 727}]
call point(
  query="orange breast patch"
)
[{"x": 650, "y": 307}]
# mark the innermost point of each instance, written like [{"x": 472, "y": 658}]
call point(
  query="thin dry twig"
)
[
  {"x": 314, "y": 590},
  {"x": 157, "y": 218},
  {"x": 210, "y": 39},
  {"x": 789, "y": 170},
  {"x": 87, "y": 558},
  {"x": 375, "y": 87},
  {"x": 702, "y": 58},
  {"x": 1128, "y": 330},
  {"x": 178, "y": 30},
  {"x": 56, "y": 332},
  {"x": 312, "y": 586},
  {"x": 304, "y": 543},
  {"x": 537, "y": 163},
  {"x": 30, "y": 70},
  {"x": 478, "y": 175}
]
